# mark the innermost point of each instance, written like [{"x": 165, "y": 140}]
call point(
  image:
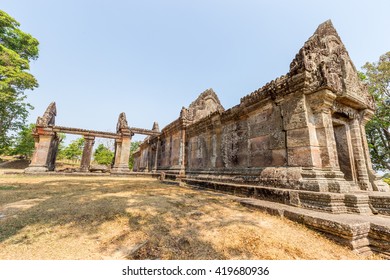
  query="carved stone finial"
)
[
  {"x": 156, "y": 127},
  {"x": 122, "y": 122},
  {"x": 48, "y": 117},
  {"x": 327, "y": 29}
]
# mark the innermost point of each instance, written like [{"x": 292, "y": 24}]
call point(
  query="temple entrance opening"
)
[{"x": 344, "y": 147}]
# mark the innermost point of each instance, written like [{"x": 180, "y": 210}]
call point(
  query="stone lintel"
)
[
  {"x": 322, "y": 100},
  {"x": 40, "y": 130},
  {"x": 126, "y": 132}
]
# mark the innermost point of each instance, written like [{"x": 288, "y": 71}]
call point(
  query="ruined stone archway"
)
[{"x": 46, "y": 142}]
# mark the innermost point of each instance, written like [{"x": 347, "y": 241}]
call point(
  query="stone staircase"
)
[{"x": 359, "y": 220}]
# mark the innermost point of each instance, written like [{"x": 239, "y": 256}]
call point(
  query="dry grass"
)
[{"x": 108, "y": 218}]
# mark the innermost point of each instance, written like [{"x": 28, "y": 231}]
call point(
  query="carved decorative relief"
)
[
  {"x": 232, "y": 136},
  {"x": 348, "y": 111}
]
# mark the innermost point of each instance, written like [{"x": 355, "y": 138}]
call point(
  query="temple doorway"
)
[{"x": 344, "y": 147}]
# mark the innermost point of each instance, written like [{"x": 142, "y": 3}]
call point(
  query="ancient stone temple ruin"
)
[
  {"x": 299, "y": 140},
  {"x": 304, "y": 131}
]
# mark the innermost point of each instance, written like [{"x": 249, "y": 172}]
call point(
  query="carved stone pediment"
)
[
  {"x": 156, "y": 127},
  {"x": 328, "y": 65},
  {"x": 206, "y": 104}
]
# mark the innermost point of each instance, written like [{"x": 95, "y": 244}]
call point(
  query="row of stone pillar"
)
[
  {"x": 46, "y": 147},
  {"x": 154, "y": 149}
]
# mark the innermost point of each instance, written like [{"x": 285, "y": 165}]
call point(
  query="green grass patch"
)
[{"x": 7, "y": 188}]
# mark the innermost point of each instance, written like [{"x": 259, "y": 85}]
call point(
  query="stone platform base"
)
[
  {"x": 89, "y": 174},
  {"x": 362, "y": 234},
  {"x": 35, "y": 169},
  {"x": 336, "y": 203},
  {"x": 136, "y": 174},
  {"x": 380, "y": 202}
]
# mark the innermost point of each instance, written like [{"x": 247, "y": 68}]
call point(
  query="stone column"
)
[
  {"x": 52, "y": 156},
  {"x": 302, "y": 149},
  {"x": 156, "y": 156},
  {"x": 321, "y": 103},
  {"x": 366, "y": 116},
  {"x": 122, "y": 155},
  {"x": 118, "y": 148},
  {"x": 323, "y": 145},
  {"x": 87, "y": 153},
  {"x": 182, "y": 151},
  {"x": 36, "y": 147},
  {"x": 359, "y": 157},
  {"x": 149, "y": 158},
  {"x": 43, "y": 139},
  {"x": 376, "y": 183}
]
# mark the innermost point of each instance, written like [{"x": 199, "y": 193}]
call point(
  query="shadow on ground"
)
[{"x": 170, "y": 220}]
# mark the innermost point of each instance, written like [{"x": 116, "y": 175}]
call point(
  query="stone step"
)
[
  {"x": 337, "y": 203},
  {"x": 363, "y": 234}
]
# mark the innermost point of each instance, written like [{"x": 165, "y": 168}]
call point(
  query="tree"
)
[
  {"x": 377, "y": 77},
  {"x": 133, "y": 147},
  {"x": 24, "y": 143},
  {"x": 61, "y": 146},
  {"x": 103, "y": 155},
  {"x": 17, "y": 49},
  {"x": 74, "y": 150}
]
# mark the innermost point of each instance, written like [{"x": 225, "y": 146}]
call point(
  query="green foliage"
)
[
  {"x": 61, "y": 146},
  {"x": 17, "y": 48},
  {"x": 73, "y": 151},
  {"x": 377, "y": 77},
  {"x": 387, "y": 180},
  {"x": 133, "y": 147},
  {"x": 24, "y": 142},
  {"x": 103, "y": 155}
]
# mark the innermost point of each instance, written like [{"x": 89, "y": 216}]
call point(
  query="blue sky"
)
[{"x": 150, "y": 58}]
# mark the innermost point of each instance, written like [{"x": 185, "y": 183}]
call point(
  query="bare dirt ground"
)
[
  {"x": 15, "y": 164},
  {"x": 129, "y": 218}
]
